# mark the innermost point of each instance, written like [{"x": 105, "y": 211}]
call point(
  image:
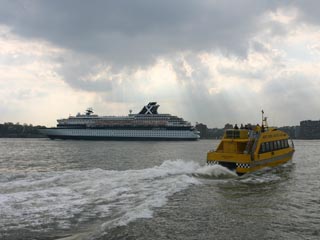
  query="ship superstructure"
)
[{"x": 148, "y": 124}]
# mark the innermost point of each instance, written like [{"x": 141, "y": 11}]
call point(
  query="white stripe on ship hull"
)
[{"x": 120, "y": 133}]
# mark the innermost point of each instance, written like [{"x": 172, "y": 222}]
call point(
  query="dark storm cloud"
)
[
  {"x": 128, "y": 33},
  {"x": 308, "y": 10},
  {"x": 132, "y": 34}
]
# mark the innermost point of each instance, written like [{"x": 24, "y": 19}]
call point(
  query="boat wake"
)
[
  {"x": 42, "y": 201},
  {"x": 267, "y": 175},
  {"x": 214, "y": 172}
]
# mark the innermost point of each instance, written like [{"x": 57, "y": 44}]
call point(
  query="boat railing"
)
[
  {"x": 248, "y": 146},
  {"x": 252, "y": 134},
  {"x": 236, "y": 134},
  {"x": 255, "y": 144},
  {"x": 292, "y": 143}
]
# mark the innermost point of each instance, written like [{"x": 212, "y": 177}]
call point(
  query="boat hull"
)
[
  {"x": 119, "y": 135},
  {"x": 244, "y": 164},
  {"x": 118, "y": 138}
]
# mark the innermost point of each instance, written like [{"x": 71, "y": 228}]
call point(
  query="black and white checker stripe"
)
[
  {"x": 212, "y": 162},
  {"x": 240, "y": 165},
  {"x": 243, "y": 165}
]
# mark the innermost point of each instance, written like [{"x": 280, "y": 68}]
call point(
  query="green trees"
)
[{"x": 17, "y": 130}]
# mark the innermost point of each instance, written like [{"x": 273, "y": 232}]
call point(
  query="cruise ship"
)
[{"x": 148, "y": 124}]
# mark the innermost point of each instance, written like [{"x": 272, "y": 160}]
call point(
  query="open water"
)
[{"x": 151, "y": 190}]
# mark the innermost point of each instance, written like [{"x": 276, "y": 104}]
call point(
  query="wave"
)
[
  {"x": 267, "y": 175},
  {"x": 62, "y": 200},
  {"x": 214, "y": 172}
]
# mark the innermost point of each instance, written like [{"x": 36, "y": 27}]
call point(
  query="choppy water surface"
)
[{"x": 151, "y": 190}]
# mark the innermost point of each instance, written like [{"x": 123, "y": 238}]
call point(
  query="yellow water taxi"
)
[{"x": 248, "y": 150}]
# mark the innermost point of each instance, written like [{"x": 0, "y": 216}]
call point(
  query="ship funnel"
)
[{"x": 151, "y": 108}]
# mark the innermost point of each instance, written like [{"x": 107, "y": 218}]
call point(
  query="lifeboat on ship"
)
[{"x": 248, "y": 150}]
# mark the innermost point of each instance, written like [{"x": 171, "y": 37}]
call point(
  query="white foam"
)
[
  {"x": 117, "y": 197},
  {"x": 261, "y": 176},
  {"x": 215, "y": 171}
]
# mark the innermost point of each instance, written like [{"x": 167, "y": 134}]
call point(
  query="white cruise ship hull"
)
[{"x": 120, "y": 134}]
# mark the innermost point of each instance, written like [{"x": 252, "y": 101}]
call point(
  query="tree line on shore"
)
[
  {"x": 12, "y": 130},
  {"x": 17, "y": 130},
  {"x": 217, "y": 133}
]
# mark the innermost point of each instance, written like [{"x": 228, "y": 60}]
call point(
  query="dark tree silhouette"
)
[{"x": 20, "y": 130}]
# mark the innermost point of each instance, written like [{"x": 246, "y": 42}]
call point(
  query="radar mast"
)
[{"x": 89, "y": 111}]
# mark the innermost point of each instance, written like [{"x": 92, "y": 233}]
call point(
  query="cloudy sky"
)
[{"x": 210, "y": 61}]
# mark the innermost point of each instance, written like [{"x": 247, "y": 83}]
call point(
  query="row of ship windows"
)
[
  {"x": 143, "y": 121},
  {"x": 144, "y": 134},
  {"x": 274, "y": 145}
]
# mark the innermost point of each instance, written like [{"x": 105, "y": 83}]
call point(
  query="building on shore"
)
[
  {"x": 309, "y": 129},
  {"x": 292, "y": 131},
  {"x": 203, "y": 129},
  {"x": 209, "y": 133}
]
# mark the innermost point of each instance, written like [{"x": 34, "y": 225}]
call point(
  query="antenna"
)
[
  {"x": 264, "y": 120},
  {"x": 89, "y": 111}
]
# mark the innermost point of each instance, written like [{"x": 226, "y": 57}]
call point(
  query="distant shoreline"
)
[
  {"x": 17, "y": 130},
  {"x": 23, "y": 136}
]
